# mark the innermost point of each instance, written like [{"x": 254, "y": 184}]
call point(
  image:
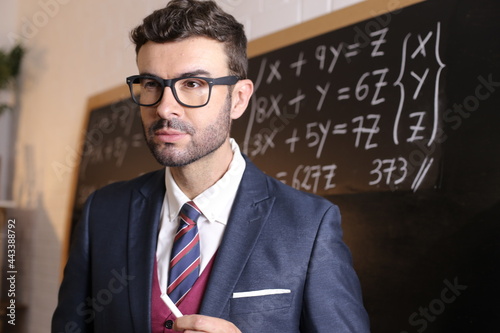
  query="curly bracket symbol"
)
[{"x": 402, "y": 89}]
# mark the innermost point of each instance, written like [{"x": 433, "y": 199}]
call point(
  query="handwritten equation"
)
[
  {"x": 348, "y": 111},
  {"x": 114, "y": 148}
]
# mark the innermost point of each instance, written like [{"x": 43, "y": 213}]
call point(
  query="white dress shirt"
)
[{"x": 215, "y": 204}]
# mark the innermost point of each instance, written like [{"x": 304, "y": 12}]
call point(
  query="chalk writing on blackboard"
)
[
  {"x": 337, "y": 114},
  {"x": 114, "y": 149}
]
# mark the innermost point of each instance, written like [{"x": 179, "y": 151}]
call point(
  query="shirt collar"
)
[{"x": 215, "y": 202}]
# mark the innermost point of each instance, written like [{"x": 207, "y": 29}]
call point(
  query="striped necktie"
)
[{"x": 185, "y": 258}]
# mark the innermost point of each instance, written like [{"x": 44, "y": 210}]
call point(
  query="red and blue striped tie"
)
[{"x": 185, "y": 258}]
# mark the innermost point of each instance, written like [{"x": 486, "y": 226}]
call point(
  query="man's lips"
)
[{"x": 169, "y": 135}]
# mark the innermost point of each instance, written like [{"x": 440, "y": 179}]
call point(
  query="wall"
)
[{"x": 77, "y": 49}]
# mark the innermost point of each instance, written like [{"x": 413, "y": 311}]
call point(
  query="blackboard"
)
[
  {"x": 113, "y": 147},
  {"x": 425, "y": 245},
  {"x": 353, "y": 110}
]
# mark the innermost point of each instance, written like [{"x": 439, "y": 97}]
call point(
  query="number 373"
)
[{"x": 392, "y": 170}]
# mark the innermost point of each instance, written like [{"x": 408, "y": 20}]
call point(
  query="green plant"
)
[{"x": 10, "y": 65}]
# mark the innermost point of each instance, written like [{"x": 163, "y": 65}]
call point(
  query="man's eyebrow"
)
[
  {"x": 199, "y": 72},
  {"x": 148, "y": 74}
]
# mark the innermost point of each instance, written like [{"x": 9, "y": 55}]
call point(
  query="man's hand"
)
[{"x": 204, "y": 324}]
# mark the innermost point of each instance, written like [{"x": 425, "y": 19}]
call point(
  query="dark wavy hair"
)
[{"x": 182, "y": 19}]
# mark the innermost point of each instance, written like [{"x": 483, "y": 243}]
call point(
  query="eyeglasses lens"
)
[{"x": 189, "y": 91}]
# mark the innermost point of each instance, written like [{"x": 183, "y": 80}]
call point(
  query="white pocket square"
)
[{"x": 263, "y": 292}]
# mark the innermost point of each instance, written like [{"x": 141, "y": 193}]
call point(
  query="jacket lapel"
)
[
  {"x": 249, "y": 214},
  {"x": 145, "y": 209}
]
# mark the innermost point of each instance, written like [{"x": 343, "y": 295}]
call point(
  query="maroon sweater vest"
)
[{"x": 161, "y": 317}]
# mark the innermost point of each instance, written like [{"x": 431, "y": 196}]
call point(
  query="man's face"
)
[{"x": 179, "y": 135}]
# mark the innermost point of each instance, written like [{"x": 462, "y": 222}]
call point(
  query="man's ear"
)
[{"x": 242, "y": 91}]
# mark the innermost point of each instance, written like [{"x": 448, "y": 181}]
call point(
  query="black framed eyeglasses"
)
[{"x": 192, "y": 92}]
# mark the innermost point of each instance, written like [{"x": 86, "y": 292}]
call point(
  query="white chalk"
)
[{"x": 175, "y": 310}]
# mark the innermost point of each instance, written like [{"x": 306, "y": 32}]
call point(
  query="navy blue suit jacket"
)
[{"x": 277, "y": 238}]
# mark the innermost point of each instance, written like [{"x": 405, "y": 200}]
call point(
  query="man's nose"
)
[{"x": 168, "y": 105}]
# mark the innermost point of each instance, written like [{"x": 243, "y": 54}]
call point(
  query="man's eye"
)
[
  {"x": 150, "y": 84},
  {"x": 192, "y": 83}
]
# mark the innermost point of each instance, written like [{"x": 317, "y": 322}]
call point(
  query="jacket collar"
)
[
  {"x": 250, "y": 211},
  {"x": 145, "y": 208}
]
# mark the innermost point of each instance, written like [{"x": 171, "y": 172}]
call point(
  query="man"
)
[{"x": 261, "y": 256}]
